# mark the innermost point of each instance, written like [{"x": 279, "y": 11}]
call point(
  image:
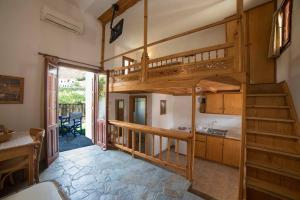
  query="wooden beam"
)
[
  {"x": 123, "y": 6},
  {"x": 193, "y": 128},
  {"x": 102, "y": 45}
]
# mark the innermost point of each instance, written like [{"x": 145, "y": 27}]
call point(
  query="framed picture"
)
[
  {"x": 11, "y": 90},
  {"x": 163, "y": 107}
]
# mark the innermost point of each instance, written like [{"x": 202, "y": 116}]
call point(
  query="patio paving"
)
[
  {"x": 92, "y": 174},
  {"x": 69, "y": 142}
]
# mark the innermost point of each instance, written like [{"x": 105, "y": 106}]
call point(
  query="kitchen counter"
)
[{"x": 229, "y": 135}]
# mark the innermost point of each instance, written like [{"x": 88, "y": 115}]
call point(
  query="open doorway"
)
[
  {"x": 138, "y": 115},
  {"x": 75, "y": 103}
]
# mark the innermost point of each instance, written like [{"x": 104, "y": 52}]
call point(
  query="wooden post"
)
[
  {"x": 193, "y": 130},
  {"x": 240, "y": 13},
  {"x": 241, "y": 42},
  {"x": 102, "y": 45},
  {"x": 145, "y": 53},
  {"x": 243, "y": 144}
]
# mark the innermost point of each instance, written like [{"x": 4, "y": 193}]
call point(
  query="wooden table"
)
[{"x": 20, "y": 144}]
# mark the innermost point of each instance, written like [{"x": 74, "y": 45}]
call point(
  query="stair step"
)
[
  {"x": 270, "y": 150},
  {"x": 272, "y": 189},
  {"x": 274, "y": 170},
  {"x": 271, "y": 119},
  {"x": 267, "y": 95},
  {"x": 267, "y": 106},
  {"x": 295, "y": 137}
]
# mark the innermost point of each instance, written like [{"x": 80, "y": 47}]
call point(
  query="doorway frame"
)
[
  {"x": 131, "y": 107},
  {"x": 117, "y": 101}
]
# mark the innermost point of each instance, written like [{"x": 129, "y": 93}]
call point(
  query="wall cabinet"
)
[
  {"x": 233, "y": 104},
  {"x": 228, "y": 103},
  {"x": 214, "y": 103},
  {"x": 231, "y": 152},
  {"x": 214, "y": 148}
]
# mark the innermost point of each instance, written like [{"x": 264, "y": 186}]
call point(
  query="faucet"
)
[{"x": 211, "y": 126}]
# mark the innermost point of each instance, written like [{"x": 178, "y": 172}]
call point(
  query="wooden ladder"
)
[{"x": 272, "y": 143}]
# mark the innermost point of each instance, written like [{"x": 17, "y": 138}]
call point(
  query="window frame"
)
[{"x": 282, "y": 9}]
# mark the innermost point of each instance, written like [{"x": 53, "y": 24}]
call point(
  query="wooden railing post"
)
[{"x": 145, "y": 57}]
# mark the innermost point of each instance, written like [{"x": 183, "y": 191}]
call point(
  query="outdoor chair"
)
[{"x": 73, "y": 124}]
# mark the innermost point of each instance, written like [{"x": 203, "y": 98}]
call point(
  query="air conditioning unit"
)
[{"x": 49, "y": 15}]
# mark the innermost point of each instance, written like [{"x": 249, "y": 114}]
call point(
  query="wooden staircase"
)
[{"x": 272, "y": 143}]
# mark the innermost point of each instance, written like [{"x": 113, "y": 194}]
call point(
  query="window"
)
[
  {"x": 281, "y": 29},
  {"x": 126, "y": 62}
]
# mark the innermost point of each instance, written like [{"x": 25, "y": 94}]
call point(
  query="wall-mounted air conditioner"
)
[{"x": 49, "y": 15}]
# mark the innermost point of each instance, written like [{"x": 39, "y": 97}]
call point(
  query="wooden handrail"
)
[
  {"x": 224, "y": 21},
  {"x": 181, "y": 135},
  {"x": 190, "y": 52},
  {"x": 128, "y": 137},
  {"x": 181, "y": 54}
]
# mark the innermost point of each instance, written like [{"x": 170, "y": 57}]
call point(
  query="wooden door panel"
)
[
  {"x": 200, "y": 149},
  {"x": 233, "y": 104},
  {"x": 214, "y": 103},
  {"x": 52, "y": 143},
  {"x": 51, "y": 118},
  {"x": 101, "y": 139},
  {"x": 214, "y": 148},
  {"x": 101, "y": 125},
  {"x": 261, "y": 68},
  {"x": 231, "y": 152}
]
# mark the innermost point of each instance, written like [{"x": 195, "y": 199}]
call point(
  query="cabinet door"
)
[
  {"x": 200, "y": 149},
  {"x": 233, "y": 104},
  {"x": 214, "y": 148},
  {"x": 231, "y": 152},
  {"x": 214, "y": 103},
  {"x": 261, "y": 68}
]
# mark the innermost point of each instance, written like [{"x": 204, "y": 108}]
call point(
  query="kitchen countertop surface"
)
[
  {"x": 229, "y": 135},
  {"x": 234, "y": 133}
]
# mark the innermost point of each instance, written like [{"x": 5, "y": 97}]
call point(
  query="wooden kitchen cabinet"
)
[
  {"x": 214, "y": 148},
  {"x": 200, "y": 149},
  {"x": 231, "y": 152},
  {"x": 214, "y": 103},
  {"x": 233, "y": 104}
]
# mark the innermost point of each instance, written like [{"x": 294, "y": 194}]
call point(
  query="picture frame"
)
[
  {"x": 11, "y": 90},
  {"x": 163, "y": 107}
]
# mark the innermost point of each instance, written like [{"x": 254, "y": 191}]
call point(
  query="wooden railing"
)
[
  {"x": 208, "y": 59},
  {"x": 147, "y": 142},
  {"x": 65, "y": 109}
]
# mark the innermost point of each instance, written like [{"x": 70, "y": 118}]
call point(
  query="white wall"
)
[
  {"x": 23, "y": 35},
  {"x": 288, "y": 64}
]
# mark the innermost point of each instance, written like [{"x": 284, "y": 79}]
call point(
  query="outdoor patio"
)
[{"x": 69, "y": 142}]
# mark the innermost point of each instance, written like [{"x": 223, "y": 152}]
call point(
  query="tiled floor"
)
[
  {"x": 69, "y": 142},
  {"x": 90, "y": 173},
  {"x": 216, "y": 180}
]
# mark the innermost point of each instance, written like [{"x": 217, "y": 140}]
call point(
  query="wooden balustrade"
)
[
  {"x": 208, "y": 59},
  {"x": 148, "y": 143}
]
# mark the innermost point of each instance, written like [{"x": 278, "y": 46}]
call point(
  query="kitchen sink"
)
[{"x": 216, "y": 132}]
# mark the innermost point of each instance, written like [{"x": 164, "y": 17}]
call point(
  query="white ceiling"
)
[
  {"x": 166, "y": 17},
  {"x": 97, "y": 7}
]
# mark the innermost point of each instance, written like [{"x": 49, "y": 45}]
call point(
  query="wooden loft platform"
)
[
  {"x": 203, "y": 86},
  {"x": 211, "y": 69}
]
